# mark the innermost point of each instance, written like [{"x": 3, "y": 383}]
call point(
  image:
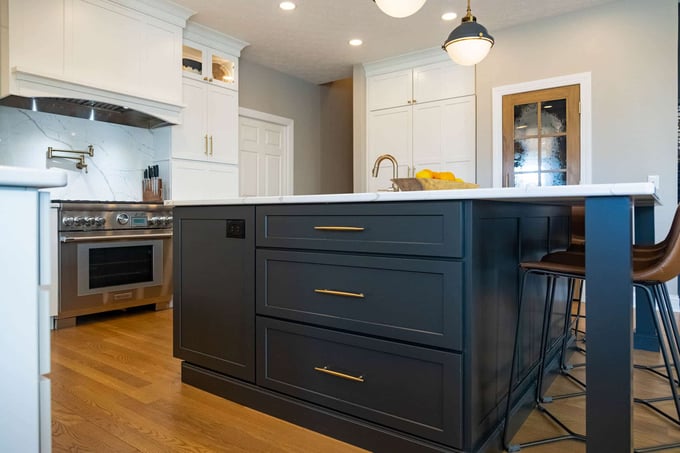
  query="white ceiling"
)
[{"x": 311, "y": 42}]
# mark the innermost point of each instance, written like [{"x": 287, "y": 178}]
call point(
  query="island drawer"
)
[
  {"x": 408, "y": 299},
  {"x": 409, "y": 388},
  {"x": 418, "y": 228}
]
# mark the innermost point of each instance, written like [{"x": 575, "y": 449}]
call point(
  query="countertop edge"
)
[
  {"x": 638, "y": 190},
  {"x": 31, "y": 177}
]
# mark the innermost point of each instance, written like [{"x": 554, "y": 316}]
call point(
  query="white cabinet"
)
[
  {"x": 209, "y": 128},
  {"x": 194, "y": 180},
  {"x": 118, "y": 51},
  {"x": 203, "y": 161},
  {"x": 420, "y": 84},
  {"x": 25, "y": 421},
  {"x": 424, "y": 115},
  {"x": 438, "y": 135}
]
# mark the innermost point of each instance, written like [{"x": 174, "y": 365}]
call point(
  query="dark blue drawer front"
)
[
  {"x": 412, "y": 389},
  {"x": 406, "y": 299},
  {"x": 423, "y": 228}
]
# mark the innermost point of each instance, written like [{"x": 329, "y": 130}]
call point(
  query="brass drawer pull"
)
[
  {"x": 340, "y": 375},
  {"x": 338, "y": 228},
  {"x": 339, "y": 293}
]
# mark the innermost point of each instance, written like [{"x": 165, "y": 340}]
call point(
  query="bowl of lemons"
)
[{"x": 433, "y": 180}]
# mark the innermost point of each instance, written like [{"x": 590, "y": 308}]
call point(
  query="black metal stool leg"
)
[{"x": 545, "y": 333}]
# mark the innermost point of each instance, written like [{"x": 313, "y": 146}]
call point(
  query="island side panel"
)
[{"x": 502, "y": 234}]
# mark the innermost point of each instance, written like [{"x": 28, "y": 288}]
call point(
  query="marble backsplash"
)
[{"x": 121, "y": 153}]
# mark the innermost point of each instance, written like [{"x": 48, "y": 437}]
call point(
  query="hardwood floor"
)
[{"x": 116, "y": 387}]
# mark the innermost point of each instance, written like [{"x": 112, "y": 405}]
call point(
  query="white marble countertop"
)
[
  {"x": 31, "y": 177},
  {"x": 638, "y": 190}
]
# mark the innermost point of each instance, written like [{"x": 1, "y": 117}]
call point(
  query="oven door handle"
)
[{"x": 111, "y": 238}]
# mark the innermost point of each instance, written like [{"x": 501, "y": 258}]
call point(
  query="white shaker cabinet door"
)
[
  {"x": 389, "y": 133},
  {"x": 194, "y": 180},
  {"x": 222, "y": 118},
  {"x": 442, "y": 80},
  {"x": 389, "y": 90},
  {"x": 444, "y": 137},
  {"x": 190, "y": 138}
]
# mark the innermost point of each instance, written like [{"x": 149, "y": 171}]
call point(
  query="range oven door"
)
[{"x": 99, "y": 273}]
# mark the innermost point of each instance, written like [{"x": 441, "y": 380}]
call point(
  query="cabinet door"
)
[
  {"x": 214, "y": 295},
  {"x": 190, "y": 138},
  {"x": 443, "y": 80},
  {"x": 35, "y": 47},
  {"x": 112, "y": 60},
  {"x": 194, "y": 180},
  {"x": 444, "y": 136},
  {"x": 389, "y": 132},
  {"x": 222, "y": 69},
  {"x": 389, "y": 90},
  {"x": 222, "y": 120},
  {"x": 160, "y": 76}
]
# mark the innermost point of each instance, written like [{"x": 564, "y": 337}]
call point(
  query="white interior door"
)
[{"x": 263, "y": 155}]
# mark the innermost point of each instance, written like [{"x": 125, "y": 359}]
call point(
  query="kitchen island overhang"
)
[{"x": 493, "y": 229}]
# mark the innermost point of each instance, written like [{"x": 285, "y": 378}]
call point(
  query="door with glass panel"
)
[{"x": 541, "y": 137}]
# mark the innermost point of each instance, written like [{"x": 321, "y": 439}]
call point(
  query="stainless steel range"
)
[{"x": 112, "y": 255}]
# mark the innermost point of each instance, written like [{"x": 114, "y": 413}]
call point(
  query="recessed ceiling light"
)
[
  {"x": 449, "y": 16},
  {"x": 355, "y": 42},
  {"x": 287, "y": 6}
]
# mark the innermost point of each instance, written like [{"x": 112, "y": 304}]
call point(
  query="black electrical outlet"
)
[{"x": 236, "y": 228}]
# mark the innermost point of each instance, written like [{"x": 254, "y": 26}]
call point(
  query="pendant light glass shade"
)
[
  {"x": 399, "y": 8},
  {"x": 469, "y": 43}
]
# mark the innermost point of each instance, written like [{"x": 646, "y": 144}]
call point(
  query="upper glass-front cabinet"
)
[{"x": 205, "y": 64}]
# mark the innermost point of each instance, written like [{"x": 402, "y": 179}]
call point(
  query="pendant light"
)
[
  {"x": 399, "y": 8},
  {"x": 469, "y": 43}
]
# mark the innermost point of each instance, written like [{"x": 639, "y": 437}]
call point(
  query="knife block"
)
[{"x": 152, "y": 190}]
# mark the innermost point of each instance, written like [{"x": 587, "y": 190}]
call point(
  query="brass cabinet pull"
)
[
  {"x": 338, "y": 228},
  {"x": 205, "y": 139},
  {"x": 338, "y": 374},
  {"x": 211, "y": 145},
  {"x": 339, "y": 293}
]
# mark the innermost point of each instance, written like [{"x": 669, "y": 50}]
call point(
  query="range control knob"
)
[
  {"x": 170, "y": 220},
  {"x": 88, "y": 221},
  {"x": 78, "y": 221},
  {"x": 123, "y": 219},
  {"x": 67, "y": 221},
  {"x": 154, "y": 221},
  {"x": 163, "y": 220},
  {"x": 99, "y": 221}
]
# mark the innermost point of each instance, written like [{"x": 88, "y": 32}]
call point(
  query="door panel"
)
[
  {"x": 263, "y": 156},
  {"x": 541, "y": 137}
]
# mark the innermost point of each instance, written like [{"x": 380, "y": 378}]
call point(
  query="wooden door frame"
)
[
  {"x": 289, "y": 142},
  {"x": 583, "y": 79}
]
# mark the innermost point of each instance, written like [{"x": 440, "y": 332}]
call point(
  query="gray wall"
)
[
  {"x": 270, "y": 91},
  {"x": 634, "y": 86},
  {"x": 336, "y": 137}
]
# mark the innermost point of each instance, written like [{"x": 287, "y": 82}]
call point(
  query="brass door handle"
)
[
  {"x": 349, "y": 377},
  {"x": 211, "y": 145},
  {"x": 339, "y": 293},
  {"x": 338, "y": 228},
  {"x": 205, "y": 139}
]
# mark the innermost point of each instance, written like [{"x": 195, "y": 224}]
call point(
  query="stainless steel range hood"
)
[
  {"x": 92, "y": 110},
  {"x": 53, "y": 94}
]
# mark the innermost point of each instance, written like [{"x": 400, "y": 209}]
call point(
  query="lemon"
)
[
  {"x": 426, "y": 173},
  {"x": 446, "y": 175}
]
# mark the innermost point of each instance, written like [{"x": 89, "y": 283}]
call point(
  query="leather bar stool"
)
[{"x": 653, "y": 266}]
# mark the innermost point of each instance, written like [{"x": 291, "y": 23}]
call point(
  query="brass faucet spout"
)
[{"x": 395, "y": 166}]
